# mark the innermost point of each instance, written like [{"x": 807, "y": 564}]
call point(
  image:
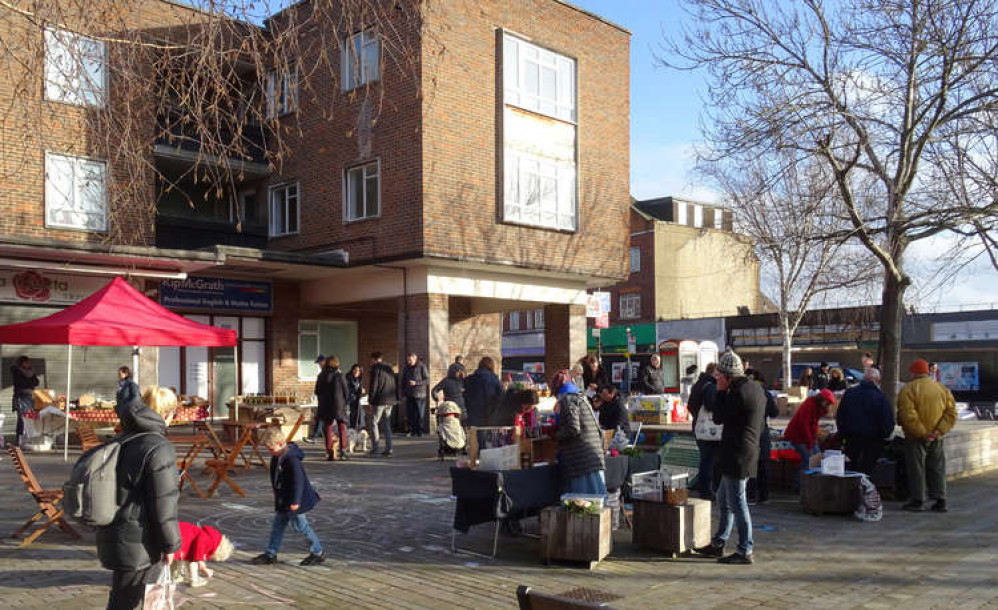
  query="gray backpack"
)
[{"x": 91, "y": 494}]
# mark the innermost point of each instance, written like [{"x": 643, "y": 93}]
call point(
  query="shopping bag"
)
[
  {"x": 159, "y": 595},
  {"x": 706, "y": 429}
]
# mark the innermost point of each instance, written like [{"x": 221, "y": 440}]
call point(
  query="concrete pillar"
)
[{"x": 564, "y": 337}]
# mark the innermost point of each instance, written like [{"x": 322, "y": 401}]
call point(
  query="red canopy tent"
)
[{"x": 117, "y": 314}]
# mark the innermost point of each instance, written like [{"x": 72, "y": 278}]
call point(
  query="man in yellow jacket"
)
[{"x": 926, "y": 411}]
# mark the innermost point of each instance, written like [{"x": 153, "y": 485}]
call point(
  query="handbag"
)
[
  {"x": 706, "y": 429},
  {"x": 159, "y": 595}
]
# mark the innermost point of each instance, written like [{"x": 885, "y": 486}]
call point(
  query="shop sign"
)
[
  {"x": 603, "y": 321},
  {"x": 38, "y": 288},
  {"x": 216, "y": 294},
  {"x": 960, "y": 376}
]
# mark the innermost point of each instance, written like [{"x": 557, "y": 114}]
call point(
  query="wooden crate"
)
[
  {"x": 822, "y": 494},
  {"x": 671, "y": 529},
  {"x": 578, "y": 538}
]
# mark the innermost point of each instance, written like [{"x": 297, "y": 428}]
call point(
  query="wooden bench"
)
[{"x": 47, "y": 500}]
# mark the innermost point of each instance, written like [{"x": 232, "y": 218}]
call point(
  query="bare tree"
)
[
  {"x": 878, "y": 92},
  {"x": 783, "y": 212}
]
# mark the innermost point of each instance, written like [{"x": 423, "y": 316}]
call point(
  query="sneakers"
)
[
  {"x": 313, "y": 559},
  {"x": 386, "y": 453},
  {"x": 914, "y": 507},
  {"x": 264, "y": 559},
  {"x": 737, "y": 558},
  {"x": 308, "y": 440},
  {"x": 940, "y": 506},
  {"x": 710, "y": 550}
]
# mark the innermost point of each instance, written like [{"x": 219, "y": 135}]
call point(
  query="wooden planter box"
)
[
  {"x": 827, "y": 494},
  {"x": 579, "y": 538},
  {"x": 671, "y": 529}
]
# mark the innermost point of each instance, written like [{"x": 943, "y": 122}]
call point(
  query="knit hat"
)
[
  {"x": 919, "y": 367},
  {"x": 730, "y": 365},
  {"x": 560, "y": 378}
]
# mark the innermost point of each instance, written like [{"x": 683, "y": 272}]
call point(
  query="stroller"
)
[{"x": 451, "y": 435}]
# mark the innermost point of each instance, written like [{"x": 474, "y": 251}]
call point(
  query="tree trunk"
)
[
  {"x": 788, "y": 376},
  {"x": 889, "y": 347}
]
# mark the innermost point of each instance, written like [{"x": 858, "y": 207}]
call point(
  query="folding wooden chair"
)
[
  {"x": 221, "y": 449},
  {"x": 221, "y": 466},
  {"x": 88, "y": 438},
  {"x": 47, "y": 500},
  {"x": 184, "y": 464}
]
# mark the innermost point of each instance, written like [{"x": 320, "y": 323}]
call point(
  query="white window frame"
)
[
  {"x": 72, "y": 83},
  {"x": 348, "y": 202},
  {"x": 271, "y": 192},
  {"x": 514, "y": 320},
  {"x": 524, "y": 65},
  {"x": 539, "y": 318},
  {"x": 630, "y": 306},
  {"x": 697, "y": 216},
  {"x": 282, "y": 92},
  {"x": 52, "y": 192},
  {"x": 527, "y": 202},
  {"x": 356, "y": 68},
  {"x": 635, "y": 259}
]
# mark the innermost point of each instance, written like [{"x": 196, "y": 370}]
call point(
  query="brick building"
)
[{"x": 483, "y": 170}]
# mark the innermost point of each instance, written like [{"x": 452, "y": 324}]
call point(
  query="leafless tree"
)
[
  {"x": 783, "y": 211},
  {"x": 880, "y": 93},
  {"x": 219, "y": 80}
]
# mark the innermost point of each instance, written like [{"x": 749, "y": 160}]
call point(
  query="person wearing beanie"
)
[
  {"x": 740, "y": 407},
  {"x": 198, "y": 545},
  {"x": 802, "y": 431},
  {"x": 579, "y": 440},
  {"x": 926, "y": 411}
]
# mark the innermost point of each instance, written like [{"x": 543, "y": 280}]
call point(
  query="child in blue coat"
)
[{"x": 293, "y": 497}]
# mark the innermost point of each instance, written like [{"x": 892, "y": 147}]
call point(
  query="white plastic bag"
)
[
  {"x": 159, "y": 595},
  {"x": 833, "y": 463},
  {"x": 706, "y": 429}
]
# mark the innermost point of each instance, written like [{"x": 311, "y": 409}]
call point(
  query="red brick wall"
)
[{"x": 462, "y": 136}]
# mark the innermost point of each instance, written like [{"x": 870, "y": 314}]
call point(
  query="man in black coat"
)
[
  {"x": 415, "y": 382},
  {"x": 144, "y": 534},
  {"x": 863, "y": 420},
  {"x": 741, "y": 407},
  {"x": 482, "y": 391},
  {"x": 382, "y": 397},
  {"x": 25, "y": 382},
  {"x": 651, "y": 379},
  {"x": 612, "y": 413}
]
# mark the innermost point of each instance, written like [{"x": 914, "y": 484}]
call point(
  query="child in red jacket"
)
[{"x": 198, "y": 545}]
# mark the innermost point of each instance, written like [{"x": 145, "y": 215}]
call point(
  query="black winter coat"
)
[
  {"x": 128, "y": 392},
  {"x": 145, "y": 527},
  {"x": 864, "y": 413},
  {"x": 580, "y": 442},
  {"x": 742, "y": 410},
  {"x": 24, "y": 383},
  {"x": 333, "y": 395},
  {"x": 381, "y": 389},
  {"x": 452, "y": 387},
  {"x": 355, "y": 386},
  {"x": 765, "y": 441},
  {"x": 420, "y": 375},
  {"x": 482, "y": 392},
  {"x": 613, "y": 415},
  {"x": 651, "y": 380},
  {"x": 598, "y": 378},
  {"x": 290, "y": 483}
]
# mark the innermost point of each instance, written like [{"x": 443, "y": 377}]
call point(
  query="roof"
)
[{"x": 117, "y": 314}]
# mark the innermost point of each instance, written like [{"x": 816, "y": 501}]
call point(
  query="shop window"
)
[
  {"x": 284, "y": 209},
  {"x": 282, "y": 92},
  {"x": 75, "y": 193},
  {"x": 75, "y": 69},
  {"x": 538, "y": 80},
  {"x": 329, "y": 339},
  {"x": 635, "y": 259},
  {"x": 363, "y": 192},
  {"x": 252, "y": 356},
  {"x": 361, "y": 60},
  {"x": 630, "y": 306},
  {"x": 514, "y": 320}
]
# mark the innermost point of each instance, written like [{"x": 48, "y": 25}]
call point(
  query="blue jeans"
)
[
  {"x": 734, "y": 511},
  {"x": 299, "y": 523},
  {"x": 705, "y": 475},
  {"x": 415, "y": 410}
]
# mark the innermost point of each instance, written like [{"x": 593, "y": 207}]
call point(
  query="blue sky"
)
[{"x": 665, "y": 109}]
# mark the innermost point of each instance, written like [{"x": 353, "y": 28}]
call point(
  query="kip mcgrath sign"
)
[{"x": 216, "y": 294}]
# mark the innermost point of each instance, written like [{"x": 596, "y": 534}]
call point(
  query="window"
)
[
  {"x": 363, "y": 192},
  {"x": 538, "y": 80},
  {"x": 539, "y": 318},
  {"x": 75, "y": 69},
  {"x": 539, "y": 191},
  {"x": 284, "y": 209},
  {"x": 514, "y": 320},
  {"x": 282, "y": 92},
  {"x": 635, "y": 259},
  {"x": 329, "y": 338},
  {"x": 681, "y": 213},
  {"x": 630, "y": 306},
  {"x": 698, "y": 216},
  {"x": 361, "y": 60},
  {"x": 75, "y": 193}
]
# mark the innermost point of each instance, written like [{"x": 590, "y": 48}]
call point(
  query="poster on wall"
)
[
  {"x": 960, "y": 376},
  {"x": 617, "y": 372}
]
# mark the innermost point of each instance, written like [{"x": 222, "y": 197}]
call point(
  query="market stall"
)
[{"x": 117, "y": 314}]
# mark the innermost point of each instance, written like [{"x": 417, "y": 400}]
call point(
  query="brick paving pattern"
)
[{"x": 385, "y": 525}]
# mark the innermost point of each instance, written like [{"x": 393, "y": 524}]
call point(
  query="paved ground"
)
[{"x": 386, "y": 528}]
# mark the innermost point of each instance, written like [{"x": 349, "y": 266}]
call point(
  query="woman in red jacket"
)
[{"x": 802, "y": 431}]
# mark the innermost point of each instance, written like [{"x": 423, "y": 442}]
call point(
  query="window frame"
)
[
  {"x": 347, "y": 73},
  {"x": 635, "y": 250},
  {"x": 516, "y": 174},
  {"x": 517, "y": 90},
  {"x": 288, "y": 94},
  {"x": 630, "y": 306},
  {"x": 77, "y": 97},
  {"x": 76, "y": 160},
  {"x": 347, "y": 207},
  {"x": 283, "y": 186},
  {"x": 539, "y": 318},
  {"x": 514, "y": 321}
]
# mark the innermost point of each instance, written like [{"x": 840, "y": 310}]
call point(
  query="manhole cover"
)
[{"x": 586, "y": 594}]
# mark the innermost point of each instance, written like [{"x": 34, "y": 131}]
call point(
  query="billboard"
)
[{"x": 960, "y": 376}]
